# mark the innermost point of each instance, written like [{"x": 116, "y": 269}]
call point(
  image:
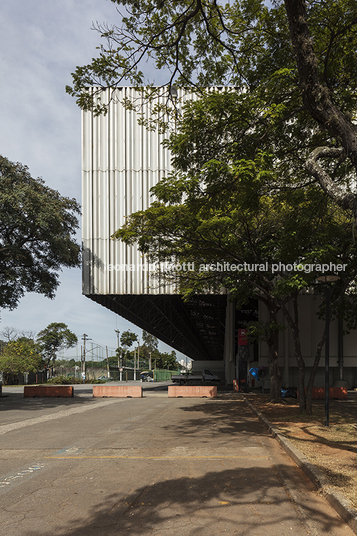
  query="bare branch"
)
[{"x": 346, "y": 200}]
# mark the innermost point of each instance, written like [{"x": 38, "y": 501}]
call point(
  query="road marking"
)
[
  {"x": 156, "y": 457},
  {"x": 4, "y": 429},
  {"x": 69, "y": 450},
  {"x": 4, "y": 482}
]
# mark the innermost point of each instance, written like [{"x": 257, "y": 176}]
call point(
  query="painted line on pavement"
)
[
  {"x": 8, "y": 480},
  {"x": 156, "y": 457},
  {"x": 4, "y": 429}
]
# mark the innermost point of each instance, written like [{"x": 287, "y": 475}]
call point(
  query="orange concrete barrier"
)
[
  {"x": 63, "y": 391},
  {"x": 338, "y": 392},
  {"x": 318, "y": 393},
  {"x": 117, "y": 391},
  {"x": 334, "y": 393},
  {"x": 192, "y": 391}
]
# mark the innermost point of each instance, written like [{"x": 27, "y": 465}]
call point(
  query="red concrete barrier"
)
[
  {"x": 318, "y": 393},
  {"x": 117, "y": 391},
  {"x": 338, "y": 392},
  {"x": 334, "y": 392},
  {"x": 192, "y": 391},
  {"x": 63, "y": 391}
]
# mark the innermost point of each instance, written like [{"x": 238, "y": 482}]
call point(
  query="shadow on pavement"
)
[
  {"x": 217, "y": 417},
  {"x": 17, "y": 402},
  {"x": 315, "y": 437},
  {"x": 244, "y": 501}
]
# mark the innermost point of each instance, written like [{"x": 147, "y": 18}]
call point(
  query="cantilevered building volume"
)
[{"x": 121, "y": 161}]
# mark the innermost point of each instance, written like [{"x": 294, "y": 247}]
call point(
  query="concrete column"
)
[
  {"x": 229, "y": 342},
  {"x": 286, "y": 374}
]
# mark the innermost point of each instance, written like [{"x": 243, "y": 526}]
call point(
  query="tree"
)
[
  {"x": 127, "y": 339},
  {"x": 297, "y": 59},
  {"x": 292, "y": 68},
  {"x": 150, "y": 344},
  {"x": 19, "y": 356},
  {"x": 150, "y": 341},
  {"x": 10, "y": 333},
  {"x": 55, "y": 337},
  {"x": 228, "y": 203},
  {"x": 165, "y": 360},
  {"x": 37, "y": 226}
]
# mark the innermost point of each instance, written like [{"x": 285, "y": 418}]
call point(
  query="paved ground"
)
[{"x": 150, "y": 466}]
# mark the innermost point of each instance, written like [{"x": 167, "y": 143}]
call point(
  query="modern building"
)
[{"x": 121, "y": 161}]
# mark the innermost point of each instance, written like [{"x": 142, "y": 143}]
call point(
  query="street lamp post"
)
[{"x": 328, "y": 291}]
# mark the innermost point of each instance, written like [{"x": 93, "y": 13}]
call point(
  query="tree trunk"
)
[
  {"x": 318, "y": 102},
  {"x": 275, "y": 375},
  {"x": 273, "y": 343},
  {"x": 313, "y": 374},
  {"x": 294, "y": 325}
]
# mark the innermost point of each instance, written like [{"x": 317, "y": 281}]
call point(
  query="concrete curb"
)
[{"x": 337, "y": 500}]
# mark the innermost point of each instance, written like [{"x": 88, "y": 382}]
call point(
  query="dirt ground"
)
[{"x": 332, "y": 449}]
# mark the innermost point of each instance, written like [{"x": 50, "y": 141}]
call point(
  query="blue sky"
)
[{"x": 42, "y": 43}]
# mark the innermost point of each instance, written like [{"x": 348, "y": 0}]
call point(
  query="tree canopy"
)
[
  {"x": 55, "y": 337},
  {"x": 19, "y": 356},
  {"x": 296, "y": 59},
  {"x": 128, "y": 338},
  {"x": 37, "y": 227},
  {"x": 234, "y": 217},
  {"x": 150, "y": 343}
]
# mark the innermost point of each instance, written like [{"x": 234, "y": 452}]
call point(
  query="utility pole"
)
[
  {"x": 134, "y": 364},
  {"x": 106, "y": 348},
  {"x": 84, "y": 339},
  {"x": 119, "y": 355}
]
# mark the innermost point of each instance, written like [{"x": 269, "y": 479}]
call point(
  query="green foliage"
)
[
  {"x": 20, "y": 356},
  {"x": 149, "y": 340},
  {"x": 292, "y": 65},
  {"x": 150, "y": 344},
  {"x": 165, "y": 360},
  {"x": 65, "y": 380},
  {"x": 231, "y": 201},
  {"x": 214, "y": 43},
  {"x": 259, "y": 331},
  {"x": 55, "y": 337},
  {"x": 236, "y": 203},
  {"x": 128, "y": 338},
  {"x": 37, "y": 226}
]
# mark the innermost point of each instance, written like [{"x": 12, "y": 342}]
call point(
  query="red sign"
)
[{"x": 242, "y": 337}]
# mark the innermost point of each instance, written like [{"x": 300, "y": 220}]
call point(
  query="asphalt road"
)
[{"x": 150, "y": 466}]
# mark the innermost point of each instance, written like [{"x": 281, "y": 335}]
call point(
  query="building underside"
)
[
  {"x": 195, "y": 327},
  {"x": 121, "y": 161}
]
